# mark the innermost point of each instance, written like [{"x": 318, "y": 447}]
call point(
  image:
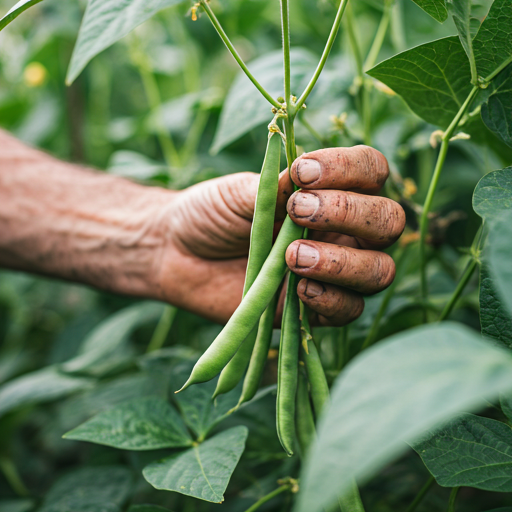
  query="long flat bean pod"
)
[
  {"x": 305, "y": 423},
  {"x": 249, "y": 311},
  {"x": 288, "y": 367},
  {"x": 311, "y": 357},
  {"x": 260, "y": 352},
  {"x": 261, "y": 244}
]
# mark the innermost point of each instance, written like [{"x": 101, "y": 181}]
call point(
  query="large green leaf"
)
[
  {"x": 198, "y": 409},
  {"x": 110, "y": 336},
  {"x": 90, "y": 489},
  {"x": 493, "y": 194},
  {"x": 20, "y": 7},
  {"x": 39, "y": 387},
  {"x": 202, "y": 471},
  {"x": 245, "y": 108},
  {"x": 16, "y": 505},
  {"x": 493, "y": 43},
  {"x": 436, "y": 8},
  {"x": 392, "y": 393},
  {"x": 495, "y": 320},
  {"x": 499, "y": 256},
  {"x": 497, "y": 110},
  {"x": 147, "y": 508},
  {"x": 433, "y": 79},
  {"x": 107, "y": 21},
  {"x": 470, "y": 451},
  {"x": 146, "y": 423}
]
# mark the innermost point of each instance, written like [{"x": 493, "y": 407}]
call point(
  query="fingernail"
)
[
  {"x": 313, "y": 289},
  {"x": 305, "y": 205},
  {"x": 307, "y": 256},
  {"x": 308, "y": 170}
]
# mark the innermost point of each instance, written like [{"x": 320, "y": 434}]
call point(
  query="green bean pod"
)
[
  {"x": 249, "y": 311},
  {"x": 261, "y": 244},
  {"x": 316, "y": 375},
  {"x": 288, "y": 367},
  {"x": 260, "y": 352},
  {"x": 304, "y": 421}
]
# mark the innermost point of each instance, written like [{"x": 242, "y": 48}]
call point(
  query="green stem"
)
[
  {"x": 351, "y": 500},
  {"x": 401, "y": 268},
  {"x": 397, "y": 27},
  {"x": 379, "y": 36},
  {"x": 498, "y": 70},
  {"x": 311, "y": 130},
  {"x": 150, "y": 85},
  {"x": 12, "y": 476},
  {"x": 453, "y": 499},
  {"x": 354, "y": 43},
  {"x": 234, "y": 53},
  {"x": 325, "y": 54},
  {"x": 421, "y": 494},
  {"x": 285, "y": 27},
  {"x": 431, "y": 192},
  {"x": 269, "y": 496},
  {"x": 466, "y": 276},
  {"x": 162, "y": 329}
]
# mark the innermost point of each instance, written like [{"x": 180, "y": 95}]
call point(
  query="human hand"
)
[{"x": 202, "y": 265}]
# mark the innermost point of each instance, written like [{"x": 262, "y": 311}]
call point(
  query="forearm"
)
[{"x": 63, "y": 221}]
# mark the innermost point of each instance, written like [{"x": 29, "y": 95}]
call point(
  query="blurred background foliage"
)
[{"x": 149, "y": 108}]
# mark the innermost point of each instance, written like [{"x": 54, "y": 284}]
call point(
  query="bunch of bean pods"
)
[{"x": 242, "y": 346}]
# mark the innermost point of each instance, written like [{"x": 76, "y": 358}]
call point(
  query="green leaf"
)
[
  {"x": 107, "y": 21},
  {"x": 109, "y": 336},
  {"x": 147, "y": 508},
  {"x": 434, "y": 79},
  {"x": 493, "y": 194},
  {"x": 461, "y": 14},
  {"x": 90, "y": 489},
  {"x": 493, "y": 43},
  {"x": 202, "y": 471},
  {"x": 497, "y": 110},
  {"x": 38, "y": 387},
  {"x": 16, "y": 505},
  {"x": 142, "y": 424},
  {"x": 435, "y": 8},
  {"x": 470, "y": 451},
  {"x": 245, "y": 108},
  {"x": 392, "y": 393},
  {"x": 20, "y": 7},
  {"x": 499, "y": 251},
  {"x": 198, "y": 409},
  {"x": 495, "y": 320},
  {"x": 504, "y": 509}
]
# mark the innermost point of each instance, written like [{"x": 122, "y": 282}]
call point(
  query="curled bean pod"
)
[
  {"x": 287, "y": 367},
  {"x": 260, "y": 352},
  {"x": 261, "y": 245},
  {"x": 316, "y": 375},
  {"x": 304, "y": 421},
  {"x": 249, "y": 311}
]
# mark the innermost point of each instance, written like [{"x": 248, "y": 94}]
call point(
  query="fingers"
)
[
  {"x": 359, "y": 270},
  {"x": 333, "y": 305},
  {"x": 377, "y": 220},
  {"x": 359, "y": 168}
]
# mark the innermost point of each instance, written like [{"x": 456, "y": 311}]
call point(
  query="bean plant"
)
[{"x": 378, "y": 415}]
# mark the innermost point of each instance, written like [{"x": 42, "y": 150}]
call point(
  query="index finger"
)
[{"x": 360, "y": 168}]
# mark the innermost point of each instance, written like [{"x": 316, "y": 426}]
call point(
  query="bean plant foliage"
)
[{"x": 407, "y": 408}]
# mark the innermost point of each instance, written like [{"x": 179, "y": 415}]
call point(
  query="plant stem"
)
[
  {"x": 269, "y": 496},
  {"x": 466, "y": 276},
  {"x": 363, "y": 91},
  {"x": 311, "y": 130},
  {"x": 379, "y": 36},
  {"x": 162, "y": 329},
  {"x": 12, "y": 476},
  {"x": 452, "y": 500},
  {"x": 498, "y": 70},
  {"x": 351, "y": 500},
  {"x": 285, "y": 27},
  {"x": 154, "y": 99},
  {"x": 397, "y": 27},
  {"x": 325, "y": 54},
  {"x": 234, "y": 53},
  {"x": 401, "y": 267},
  {"x": 421, "y": 494},
  {"x": 431, "y": 192}
]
